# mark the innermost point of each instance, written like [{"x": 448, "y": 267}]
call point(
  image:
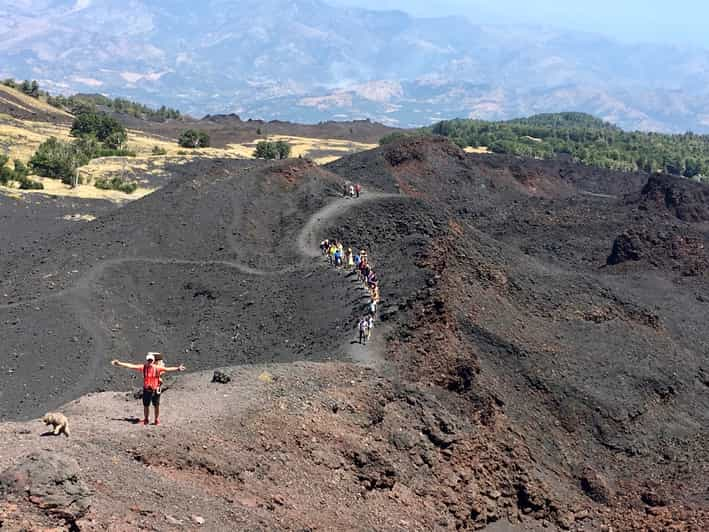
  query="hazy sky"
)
[{"x": 660, "y": 21}]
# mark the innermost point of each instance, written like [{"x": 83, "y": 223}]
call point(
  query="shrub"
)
[
  {"x": 104, "y": 128},
  {"x": 397, "y": 135},
  {"x": 193, "y": 138},
  {"x": 56, "y": 159},
  {"x": 272, "y": 150},
  {"x": 265, "y": 150},
  {"x": 117, "y": 183},
  {"x": 29, "y": 184},
  {"x": 283, "y": 149},
  {"x": 5, "y": 172},
  {"x": 157, "y": 150},
  {"x": 19, "y": 173}
]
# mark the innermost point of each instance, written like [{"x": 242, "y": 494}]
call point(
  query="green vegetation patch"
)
[
  {"x": 272, "y": 150},
  {"x": 97, "y": 135},
  {"x": 193, "y": 138},
  {"x": 117, "y": 183},
  {"x": 585, "y": 139},
  {"x": 19, "y": 173}
]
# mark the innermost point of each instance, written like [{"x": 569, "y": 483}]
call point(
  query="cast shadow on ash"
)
[{"x": 132, "y": 419}]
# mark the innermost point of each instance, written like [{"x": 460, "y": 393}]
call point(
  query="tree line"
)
[
  {"x": 78, "y": 103},
  {"x": 585, "y": 139}
]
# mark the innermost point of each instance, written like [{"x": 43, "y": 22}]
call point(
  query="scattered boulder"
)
[
  {"x": 50, "y": 482},
  {"x": 626, "y": 247},
  {"x": 654, "y": 495},
  {"x": 595, "y": 486},
  {"x": 374, "y": 471},
  {"x": 221, "y": 377}
]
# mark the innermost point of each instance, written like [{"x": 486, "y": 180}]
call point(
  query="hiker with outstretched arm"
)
[{"x": 151, "y": 382}]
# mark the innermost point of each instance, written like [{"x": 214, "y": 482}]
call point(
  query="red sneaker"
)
[
  {"x": 157, "y": 421},
  {"x": 145, "y": 422}
]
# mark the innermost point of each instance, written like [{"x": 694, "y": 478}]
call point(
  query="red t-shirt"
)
[{"x": 151, "y": 376}]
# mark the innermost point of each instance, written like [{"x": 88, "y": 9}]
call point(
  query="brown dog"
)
[{"x": 58, "y": 421}]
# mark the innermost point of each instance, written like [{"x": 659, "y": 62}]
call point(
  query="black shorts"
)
[{"x": 151, "y": 396}]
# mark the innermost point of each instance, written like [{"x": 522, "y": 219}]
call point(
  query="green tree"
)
[
  {"x": 56, "y": 159},
  {"x": 265, "y": 150},
  {"x": 283, "y": 149},
  {"x": 193, "y": 138},
  {"x": 106, "y": 129},
  {"x": 21, "y": 171}
]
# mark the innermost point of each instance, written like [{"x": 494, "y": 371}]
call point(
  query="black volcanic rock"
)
[{"x": 683, "y": 198}]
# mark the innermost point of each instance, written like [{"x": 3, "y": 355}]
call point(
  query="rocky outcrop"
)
[
  {"x": 685, "y": 199},
  {"x": 50, "y": 483}
]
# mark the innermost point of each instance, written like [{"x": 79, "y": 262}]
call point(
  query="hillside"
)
[
  {"x": 26, "y": 122},
  {"x": 315, "y": 62},
  {"x": 537, "y": 359},
  {"x": 586, "y": 139}
]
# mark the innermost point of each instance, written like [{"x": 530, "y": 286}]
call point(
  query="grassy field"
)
[
  {"x": 19, "y": 139},
  {"x": 28, "y": 104}
]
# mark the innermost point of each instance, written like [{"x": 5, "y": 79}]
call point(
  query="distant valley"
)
[{"x": 316, "y": 62}]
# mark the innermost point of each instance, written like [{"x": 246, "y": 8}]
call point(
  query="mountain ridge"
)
[{"x": 316, "y": 62}]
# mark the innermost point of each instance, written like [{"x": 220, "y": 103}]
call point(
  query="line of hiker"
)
[
  {"x": 357, "y": 261},
  {"x": 351, "y": 190}
]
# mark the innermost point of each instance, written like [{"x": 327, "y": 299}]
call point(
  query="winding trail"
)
[
  {"x": 307, "y": 245},
  {"x": 307, "y": 240},
  {"x": 78, "y": 295}
]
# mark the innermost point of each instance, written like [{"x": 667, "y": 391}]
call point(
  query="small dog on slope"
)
[{"x": 58, "y": 421}]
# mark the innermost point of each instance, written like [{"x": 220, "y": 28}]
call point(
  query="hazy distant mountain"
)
[{"x": 305, "y": 60}]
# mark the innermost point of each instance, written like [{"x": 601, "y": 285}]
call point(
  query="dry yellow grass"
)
[
  {"x": 477, "y": 149},
  {"x": 54, "y": 187},
  {"x": 29, "y": 104},
  {"x": 128, "y": 168},
  {"x": 19, "y": 139},
  {"x": 306, "y": 147}
]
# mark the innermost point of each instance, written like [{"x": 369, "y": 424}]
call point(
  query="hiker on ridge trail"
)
[
  {"x": 362, "y": 325},
  {"x": 375, "y": 294},
  {"x": 349, "y": 260},
  {"x": 331, "y": 254},
  {"x": 352, "y": 191},
  {"x": 151, "y": 383},
  {"x": 358, "y": 189},
  {"x": 370, "y": 325}
]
